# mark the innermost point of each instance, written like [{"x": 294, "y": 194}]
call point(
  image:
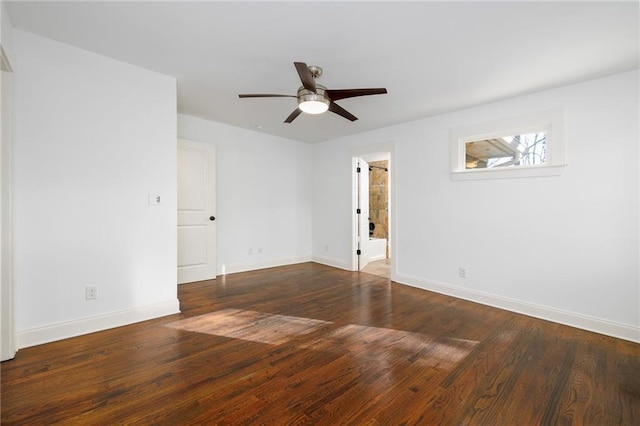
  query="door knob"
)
[{"x": 212, "y": 218}]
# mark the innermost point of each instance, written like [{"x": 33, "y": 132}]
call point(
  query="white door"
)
[
  {"x": 196, "y": 212},
  {"x": 363, "y": 217}
]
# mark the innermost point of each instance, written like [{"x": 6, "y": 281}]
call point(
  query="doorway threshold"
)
[{"x": 381, "y": 268}]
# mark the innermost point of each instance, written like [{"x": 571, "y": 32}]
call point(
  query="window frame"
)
[{"x": 550, "y": 121}]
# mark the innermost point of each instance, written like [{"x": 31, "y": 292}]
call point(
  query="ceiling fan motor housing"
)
[{"x": 317, "y": 101}]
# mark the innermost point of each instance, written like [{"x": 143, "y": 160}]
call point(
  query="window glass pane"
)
[{"x": 528, "y": 149}]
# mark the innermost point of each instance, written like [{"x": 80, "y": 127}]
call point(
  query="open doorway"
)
[
  {"x": 373, "y": 219},
  {"x": 379, "y": 258}
]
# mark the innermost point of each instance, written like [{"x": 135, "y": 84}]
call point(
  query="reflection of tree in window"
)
[{"x": 532, "y": 148}]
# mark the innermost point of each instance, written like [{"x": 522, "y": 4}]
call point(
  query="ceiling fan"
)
[{"x": 314, "y": 98}]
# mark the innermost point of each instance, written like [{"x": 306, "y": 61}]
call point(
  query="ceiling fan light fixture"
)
[
  {"x": 313, "y": 103},
  {"x": 313, "y": 107}
]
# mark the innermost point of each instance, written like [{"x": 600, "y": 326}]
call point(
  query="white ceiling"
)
[{"x": 433, "y": 57}]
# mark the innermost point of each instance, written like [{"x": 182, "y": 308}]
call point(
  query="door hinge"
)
[
  {"x": 358, "y": 170},
  {"x": 358, "y": 252},
  {"x": 358, "y": 211}
]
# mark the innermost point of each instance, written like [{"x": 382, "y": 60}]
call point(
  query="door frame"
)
[
  {"x": 8, "y": 347},
  {"x": 362, "y": 218},
  {"x": 371, "y": 153}
]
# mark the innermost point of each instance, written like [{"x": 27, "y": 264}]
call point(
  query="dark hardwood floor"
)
[{"x": 309, "y": 344}]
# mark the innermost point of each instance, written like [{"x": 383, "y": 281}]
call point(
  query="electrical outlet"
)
[
  {"x": 91, "y": 292},
  {"x": 462, "y": 272},
  {"x": 155, "y": 199},
  {"x": 326, "y": 247},
  {"x": 250, "y": 250}
]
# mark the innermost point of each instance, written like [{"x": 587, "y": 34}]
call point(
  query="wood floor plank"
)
[{"x": 309, "y": 344}]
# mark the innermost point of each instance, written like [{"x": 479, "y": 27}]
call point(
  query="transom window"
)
[
  {"x": 528, "y": 149},
  {"x": 526, "y": 146}
]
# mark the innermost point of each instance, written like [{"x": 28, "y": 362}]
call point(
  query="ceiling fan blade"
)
[
  {"x": 264, "y": 95},
  {"x": 307, "y": 79},
  {"x": 335, "y": 108},
  {"x": 293, "y": 115},
  {"x": 336, "y": 95}
]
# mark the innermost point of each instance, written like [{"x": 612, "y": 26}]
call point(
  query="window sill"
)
[{"x": 510, "y": 173}]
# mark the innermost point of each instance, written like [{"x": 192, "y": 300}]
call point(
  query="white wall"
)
[
  {"x": 93, "y": 136},
  {"x": 563, "y": 248},
  {"x": 263, "y": 195}
]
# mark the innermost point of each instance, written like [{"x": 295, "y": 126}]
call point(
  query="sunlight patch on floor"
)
[
  {"x": 386, "y": 343},
  {"x": 383, "y": 344},
  {"x": 254, "y": 326}
]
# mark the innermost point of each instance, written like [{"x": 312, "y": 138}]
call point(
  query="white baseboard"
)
[
  {"x": 585, "y": 322},
  {"x": 336, "y": 263},
  {"x": 252, "y": 266},
  {"x": 63, "y": 330}
]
